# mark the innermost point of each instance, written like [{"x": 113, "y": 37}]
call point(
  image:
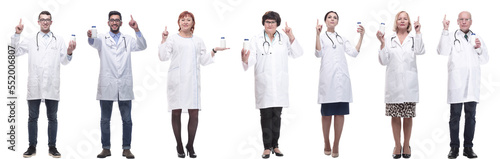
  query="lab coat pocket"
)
[{"x": 455, "y": 80}]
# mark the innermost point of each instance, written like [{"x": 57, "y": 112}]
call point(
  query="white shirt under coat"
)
[
  {"x": 271, "y": 68},
  {"x": 334, "y": 79},
  {"x": 186, "y": 55},
  {"x": 464, "y": 72},
  {"x": 115, "y": 75},
  {"x": 401, "y": 77},
  {"x": 43, "y": 63}
]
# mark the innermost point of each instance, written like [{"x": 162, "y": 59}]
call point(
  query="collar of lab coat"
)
[
  {"x": 276, "y": 36},
  {"x": 109, "y": 37},
  {"x": 395, "y": 39}
]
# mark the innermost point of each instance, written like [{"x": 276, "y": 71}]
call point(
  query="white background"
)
[{"x": 229, "y": 125}]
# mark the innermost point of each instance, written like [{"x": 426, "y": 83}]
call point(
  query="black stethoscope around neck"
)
[
  {"x": 454, "y": 42},
  {"x": 269, "y": 44},
  {"x": 341, "y": 41},
  {"x": 38, "y": 47}
]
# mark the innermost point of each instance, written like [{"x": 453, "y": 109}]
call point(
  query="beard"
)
[{"x": 115, "y": 31}]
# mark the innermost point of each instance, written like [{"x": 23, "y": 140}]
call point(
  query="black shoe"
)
[
  {"x": 30, "y": 152},
  {"x": 407, "y": 155},
  {"x": 266, "y": 155},
  {"x": 180, "y": 152},
  {"x": 397, "y": 155},
  {"x": 104, "y": 153},
  {"x": 53, "y": 152},
  {"x": 277, "y": 154},
  {"x": 469, "y": 152},
  {"x": 453, "y": 153},
  {"x": 190, "y": 152}
]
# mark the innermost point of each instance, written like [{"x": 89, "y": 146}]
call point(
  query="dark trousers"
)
[
  {"x": 34, "y": 111},
  {"x": 470, "y": 123},
  {"x": 125, "y": 111},
  {"x": 270, "y": 121}
]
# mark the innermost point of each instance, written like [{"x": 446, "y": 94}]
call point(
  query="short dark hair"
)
[
  {"x": 46, "y": 13},
  {"x": 114, "y": 13},
  {"x": 272, "y": 16},
  {"x": 326, "y": 15}
]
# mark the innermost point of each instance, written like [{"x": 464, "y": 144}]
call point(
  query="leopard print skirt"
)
[{"x": 402, "y": 110}]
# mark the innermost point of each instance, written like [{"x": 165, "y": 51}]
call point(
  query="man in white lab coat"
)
[
  {"x": 115, "y": 78},
  {"x": 46, "y": 53},
  {"x": 466, "y": 53}
]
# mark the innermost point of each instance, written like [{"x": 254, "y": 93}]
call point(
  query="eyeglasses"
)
[
  {"x": 466, "y": 20},
  {"x": 45, "y": 20},
  {"x": 115, "y": 20},
  {"x": 270, "y": 22}
]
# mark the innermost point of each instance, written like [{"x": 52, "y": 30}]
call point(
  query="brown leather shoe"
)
[
  {"x": 105, "y": 153},
  {"x": 126, "y": 153}
]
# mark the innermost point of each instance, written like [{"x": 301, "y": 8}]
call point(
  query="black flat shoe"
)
[
  {"x": 453, "y": 154},
  {"x": 191, "y": 153},
  {"x": 469, "y": 152},
  {"x": 397, "y": 155},
  {"x": 277, "y": 154},
  {"x": 180, "y": 152}
]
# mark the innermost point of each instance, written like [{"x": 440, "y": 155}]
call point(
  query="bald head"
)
[{"x": 464, "y": 21}]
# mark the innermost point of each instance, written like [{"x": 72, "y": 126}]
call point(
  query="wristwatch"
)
[{"x": 213, "y": 49}]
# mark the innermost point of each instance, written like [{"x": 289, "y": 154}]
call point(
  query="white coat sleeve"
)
[
  {"x": 204, "y": 57},
  {"x": 319, "y": 53},
  {"x": 140, "y": 43},
  {"x": 482, "y": 52},
  {"x": 95, "y": 43},
  {"x": 445, "y": 44},
  {"x": 63, "y": 52},
  {"x": 419, "y": 45},
  {"x": 165, "y": 50},
  {"x": 349, "y": 49},
  {"x": 21, "y": 47},
  {"x": 384, "y": 55},
  {"x": 294, "y": 49},
  {"x": 252, "y": 59}
]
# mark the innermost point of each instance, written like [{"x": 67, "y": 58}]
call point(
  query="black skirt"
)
[{"x": 329, "y": 109}]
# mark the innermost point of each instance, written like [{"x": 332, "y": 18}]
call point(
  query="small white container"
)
[
  {"x": 94, "y": 32},
  {"x": 223, "y": 42},
  {"x": 358, "y": 26},
  {"x": 246, "y": 44},
  {"x": 73, "y": 37},
  {"x": 472, "y": 39},
  {"x": 382, "y": 28}
]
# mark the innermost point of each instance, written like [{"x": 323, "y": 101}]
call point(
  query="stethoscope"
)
[
  {"x": 38, "y": 47},
  {"x": 454, "y": 42},
  {"x": 412, "y": 43},
  {"x": 124, "y": 41},
  {"x": 341, "y": 41},
  {"x": 459, "y": 48},
  {"x": 269, "y": 44}
]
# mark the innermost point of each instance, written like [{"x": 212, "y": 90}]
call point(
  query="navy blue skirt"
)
[{"x": 329, "y": 109}]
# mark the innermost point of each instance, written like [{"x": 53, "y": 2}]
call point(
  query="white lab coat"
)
[
  {"x": 334, "y": 80},
  {"x": 115, "y": 75},
  {"x": 187, "y": 54},
  {"x": 43, "y": 64},
  {"x": 401, "y": 76},
  {"x": 464, "y": 73},
  {"x": 271, "y": 69}
]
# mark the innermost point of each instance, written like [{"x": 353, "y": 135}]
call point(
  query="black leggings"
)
[{"x": 270, "y": 121}]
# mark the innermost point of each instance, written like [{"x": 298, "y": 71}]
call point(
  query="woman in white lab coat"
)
[
  {"x": 186, "y": 52},
  {"x": 269, "y": 52},
  {"x": 398, "y": 53},
  {"x": 334, "y": 92}
]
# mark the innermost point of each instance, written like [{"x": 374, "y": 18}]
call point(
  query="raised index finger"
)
[
  {"x": 418, "y": 19},
  {"x": 131, "y": 18},
  {"x": 286, "y": 24},
  {"x": 20, "y": 21},
  {"x": 444, "y": 17},
  {"x": 165, "y": 28}
]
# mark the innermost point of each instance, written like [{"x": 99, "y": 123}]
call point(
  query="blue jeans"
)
[
  {"x": 125, "y": 109},
  {"x": 470, "y": 123},
  {"x": 34, "y": 111}
]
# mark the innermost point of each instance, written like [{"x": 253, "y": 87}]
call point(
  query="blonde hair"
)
[{"x": 395, "y": 29}]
